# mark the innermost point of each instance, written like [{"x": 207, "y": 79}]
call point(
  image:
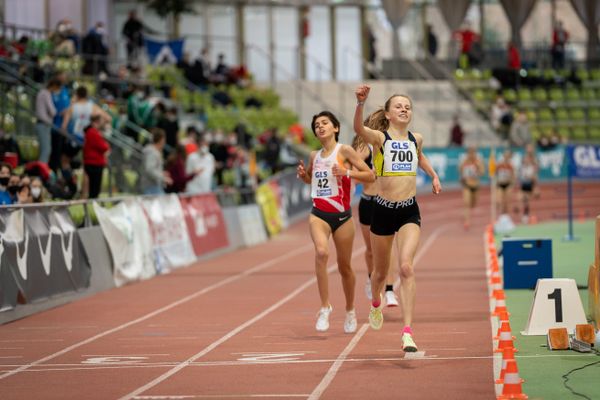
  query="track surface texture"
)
[{"x": 241, "y": 325}]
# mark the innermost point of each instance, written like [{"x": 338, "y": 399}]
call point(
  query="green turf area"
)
[{"x": 541, "y": 368}]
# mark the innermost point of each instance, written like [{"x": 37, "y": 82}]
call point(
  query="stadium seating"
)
[{"x": 554, "y": 100}]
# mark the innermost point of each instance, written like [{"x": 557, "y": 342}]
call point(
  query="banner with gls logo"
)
[{"x": 584, "y": 161}]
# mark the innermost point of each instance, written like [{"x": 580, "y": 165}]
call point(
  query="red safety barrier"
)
[{"x": 205, "y": 223}]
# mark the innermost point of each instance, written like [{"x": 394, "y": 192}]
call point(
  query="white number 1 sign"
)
[{"x": 556, "y": 304}]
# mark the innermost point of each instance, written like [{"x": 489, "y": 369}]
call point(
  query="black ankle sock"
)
[{"x": 389, "y": 288}]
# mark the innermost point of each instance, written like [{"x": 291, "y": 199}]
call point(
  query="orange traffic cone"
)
[
  {"x": 494, "y": 263},
  {"x": 581, "y": 216},
  {"x": 512, "y": 388},
  {"x": 508, "y": 354},
  {"x": 496, "y": 281},
  {"x": 500, "y": 304},
  {"x": 533, "y": 220},
  {"x": 504, "y": 328}
]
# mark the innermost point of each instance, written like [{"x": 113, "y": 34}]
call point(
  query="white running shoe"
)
[
  {"x": 368, "y": 289},
  {"x": 390, "y": 299},
  {"x": 350, "y": 322},
  {"x": 408, "y": 344},
  {"x": 376, "y": 317},
  {"x": 323, "y": 320}
]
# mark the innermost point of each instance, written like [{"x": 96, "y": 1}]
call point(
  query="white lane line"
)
[
  {"x": 337, "y": 364},
  {"x": 219, "y": 396},
  {"x": 125, "y": 366},
  {"x": 161, "y": 310},
  {"x": 231, "y": 334}
]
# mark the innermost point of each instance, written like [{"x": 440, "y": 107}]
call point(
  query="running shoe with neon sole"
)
[
  {"x": 408, "y": 344},
  {"x": 368, "y": 289},
  {"x": 323, "y": 318},
  {"x": 376, "y": 318},
  {"x": 350, "y": 322},
  {"x": 390, "y": 299}
]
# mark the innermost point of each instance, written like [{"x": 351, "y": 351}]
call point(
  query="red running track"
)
[{"x": 241, "y": 326}]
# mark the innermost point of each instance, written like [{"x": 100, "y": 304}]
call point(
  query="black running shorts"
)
[{"x": 390, "y": 216}]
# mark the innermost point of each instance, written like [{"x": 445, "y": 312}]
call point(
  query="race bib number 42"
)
[
  {"x": 400, "y": 156},
  {"x": 324, "y": 184}
]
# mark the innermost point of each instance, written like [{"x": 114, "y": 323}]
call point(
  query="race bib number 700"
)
[{"x": 400, "y": 156}]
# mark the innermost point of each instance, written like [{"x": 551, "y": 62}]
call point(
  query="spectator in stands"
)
[
  {"x": 79, "y": 114},
  {"x": 244, "y": 138},
  {"x": 62, "y": 100},
  {"x": 176, "y": 168},
  {"x": 153, "y": 178},
  {"x": 514, "y": 57},
  {"x": 457, "y": 135},
  {"x": 13, "y": 187},
  {"x": 520, "y": 131},
  {"x": 191, "y": 139},
  {"x": 218, "y": 149},
  {"x": 244, "y": 181},
  {"x": 169, "y": 123},
  {"x": 95, "y": 50},
  {"x": 24, "y": 191},
  {"x": 5, "y": 172},
  {"x": 95, "y": 150},
  {"x": 201, "y": 70},
  {"x": 202, "y": 164},
  {"x": 467, "y": 39},
  {"x": 64, "y": 34},
  {"x": 37, "y": 190},
  {"x": 133, "y": 30},
  {"x": 272, "y": 149},
  {"x": 560, "y": 37},
  {"x": 432, "y": 42},
  {"x": 139, "y": 111},
  {"x": 45, "y": 112},
  {"x": 9, "y": 149},
  {"x": 118, "y": 85},
  {"x": 221, "y": 71},
  {"x": 501, "y": 117}
]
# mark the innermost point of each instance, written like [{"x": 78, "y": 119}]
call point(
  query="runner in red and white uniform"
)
[{"x": 329, "y": 173}]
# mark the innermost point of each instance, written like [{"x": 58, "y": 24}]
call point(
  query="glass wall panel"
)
[
  {"x": 257, "y": 42},
  {"x": 348, "y": 46},
  {"x": 286, "y": 43},
  {"x": 318, "y": 45}
]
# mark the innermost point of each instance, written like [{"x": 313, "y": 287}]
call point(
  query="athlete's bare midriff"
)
[{"x": 396, "y": 188}]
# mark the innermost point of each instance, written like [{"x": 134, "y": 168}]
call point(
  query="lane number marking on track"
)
[{"x": 271, "y": 357}]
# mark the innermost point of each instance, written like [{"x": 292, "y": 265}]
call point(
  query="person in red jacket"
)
[
  {"x": 95, "y": 150},
  {"x": 514, "y": 57}
]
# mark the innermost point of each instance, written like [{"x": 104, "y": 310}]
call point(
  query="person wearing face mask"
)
[
  {"x": 95, "y": 50},
  {"x": 14, "y": 184},
  {"x": 202, "y": 164},
  {"x": 5, "y": 171},
  {"x": 37, "y": 190}
]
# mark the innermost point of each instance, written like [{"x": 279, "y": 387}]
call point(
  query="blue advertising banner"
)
[
  {"x": 552, "y": 163},
  {"x": 160, "y": 52},
  {"x": 584, "y": 161}
]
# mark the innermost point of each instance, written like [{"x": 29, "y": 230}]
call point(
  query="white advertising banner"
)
[
  {"x": 251, "y": 225},
  {"x": 128, "y": 235},
  {"x": 172, "y": 244}
]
